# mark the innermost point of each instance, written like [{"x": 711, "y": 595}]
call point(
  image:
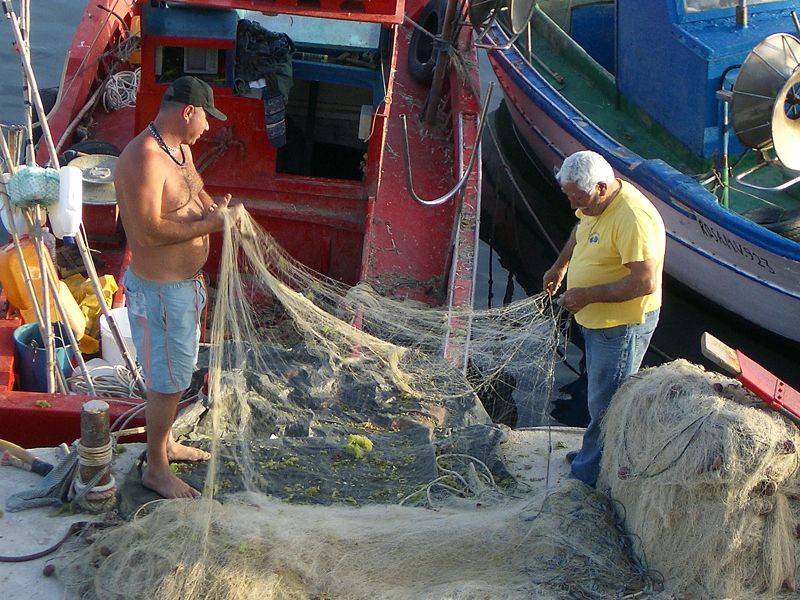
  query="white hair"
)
[{"x": 585, "y": 169}]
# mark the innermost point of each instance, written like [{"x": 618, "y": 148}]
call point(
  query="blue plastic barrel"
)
[{"x": 32, "y": 357}]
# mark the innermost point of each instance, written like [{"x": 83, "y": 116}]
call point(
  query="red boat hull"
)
[{"x": 351, "y": 230}]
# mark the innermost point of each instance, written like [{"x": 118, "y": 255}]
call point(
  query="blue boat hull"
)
[{"x": 735, "y": 263}]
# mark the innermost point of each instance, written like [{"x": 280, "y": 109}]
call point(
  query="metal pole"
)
[
  {"x": 725, "y": 143},
  {"x": 21, "y": 34},
  {"x": 44, "y": 275},
  {"x": 87, "y": 259},
  {"x": 442, "y": 61},
  {"x": 31, "y": 81},
  {"x": 530, "y": 42},
  {"x": 112, "y": 325},
  {"x": 73, "y": 341}
]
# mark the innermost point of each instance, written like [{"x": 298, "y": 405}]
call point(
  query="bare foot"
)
[
  {"x": 167, "y": 484},
  {"x": 176, "y": 451}
]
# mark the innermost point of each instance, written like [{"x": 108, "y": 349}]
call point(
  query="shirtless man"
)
[{"x": 168, "y": 217}]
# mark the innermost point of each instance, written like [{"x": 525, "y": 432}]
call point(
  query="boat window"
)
[
  {"x": 693, "y": 6},
  {"x": 207, "y": 64},
  {"x": 323, "y": 130},
  {"x": 314, "y": 32}
]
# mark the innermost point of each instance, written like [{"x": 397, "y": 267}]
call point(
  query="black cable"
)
[
  {"x": 77, "y": 527},
  {"x": 120, "y": 19}
]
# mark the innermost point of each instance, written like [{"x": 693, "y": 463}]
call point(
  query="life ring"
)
[{"x": 421, "y": 52}]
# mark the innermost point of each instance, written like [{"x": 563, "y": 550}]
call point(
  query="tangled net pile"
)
[
  {"x": 348, "y": 406},
  {"x": 708, "y": 479}
]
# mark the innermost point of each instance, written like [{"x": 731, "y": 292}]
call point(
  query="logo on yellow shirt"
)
[{"x": 594, "y": 238}]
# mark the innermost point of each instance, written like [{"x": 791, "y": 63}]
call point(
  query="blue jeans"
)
[{"x": 612, "y": 354}]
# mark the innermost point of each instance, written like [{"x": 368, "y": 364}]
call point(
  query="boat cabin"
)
[
  {"x": 334, "y": 85},
  {"x": 647, "y": 44},
  {"x": 304, "y": 134}
]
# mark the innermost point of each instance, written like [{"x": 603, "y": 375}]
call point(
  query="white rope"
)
[
  {"x": 78, "y": 485},
  {"x": 121, "y": 89},
  {"x": 120, "y": 385},
  {"x": 94, "y": 457},
  {"x": 470, "y": 483},
  {"x": 88, "y": 495}
]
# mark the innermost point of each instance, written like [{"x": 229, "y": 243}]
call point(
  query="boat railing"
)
[
  {"x": 763, "y": 163},
  {"x": 461, "y": 182}
]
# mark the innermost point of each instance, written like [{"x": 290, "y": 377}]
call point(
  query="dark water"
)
[
  {"x": 52, "y": 26},
  {"x": 514, "y": 252}
]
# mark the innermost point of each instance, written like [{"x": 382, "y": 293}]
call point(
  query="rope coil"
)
[
  {"x": 88, "y": 495},
  {"x": 120, "y": 90},
  {"x": 94, "y": 457},
  {"x": 94, "y": 498}
]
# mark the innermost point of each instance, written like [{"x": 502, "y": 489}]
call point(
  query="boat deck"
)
[{"x": 25, "y": 532}]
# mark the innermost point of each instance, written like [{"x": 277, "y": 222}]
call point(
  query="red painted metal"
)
[
  {"x": 35, "y": 420},
  {"x": 84, "y": 62},
  {"x": 7, "y": 352},
  {"x": 776, "y": 393},
  {"x": 349, "y": 230},
  {"x": 371, "y": 11}
]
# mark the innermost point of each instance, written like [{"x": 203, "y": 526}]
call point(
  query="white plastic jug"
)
[
  {"x": 110, "y": 351},
  {"x": 65, "y": 217}
]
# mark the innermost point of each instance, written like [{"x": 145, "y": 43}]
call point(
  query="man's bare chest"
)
[{"x": 181, "y": 190}]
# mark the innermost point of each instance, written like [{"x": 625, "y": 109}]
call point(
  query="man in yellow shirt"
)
[{"x": 613, "y": 262}]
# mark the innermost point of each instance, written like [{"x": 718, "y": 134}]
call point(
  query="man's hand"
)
[
  {"x": 215, "y": 214},
  {"x": 552, "y": 279},
  {"x": 574, "y": 299}
]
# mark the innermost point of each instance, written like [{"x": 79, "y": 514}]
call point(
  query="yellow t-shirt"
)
[{"x": 628, "y": 230}]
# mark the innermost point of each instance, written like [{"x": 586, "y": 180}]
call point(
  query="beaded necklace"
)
[{"x": 165, "y": 147}]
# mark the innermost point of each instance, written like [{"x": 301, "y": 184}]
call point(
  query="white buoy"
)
[{"x": 65, "y": 217}]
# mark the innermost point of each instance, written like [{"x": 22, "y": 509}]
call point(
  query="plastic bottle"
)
[
  {"x": 17, "y": 294},
  {"x": 65, "y": 217},
  {"x": 13, "y": 281}
]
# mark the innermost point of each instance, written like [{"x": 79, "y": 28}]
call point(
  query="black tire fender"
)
[
  {"x": 48, "y": 97},
  {"x": 780, "y": 220},
  {"x": 421, "y": 48},
  {"x": 88, "y": 147}
]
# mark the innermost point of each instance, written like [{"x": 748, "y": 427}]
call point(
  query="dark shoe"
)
[{"x": 571, "y": 456}]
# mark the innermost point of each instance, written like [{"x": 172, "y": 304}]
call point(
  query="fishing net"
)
[
  {"x": 339, "y": 419},
  {"x": 353, "y": 458},
  {"x": 708, "y": 482},
  {"x": 565, "y": 545},
  {"x": 32, "y": 186}
]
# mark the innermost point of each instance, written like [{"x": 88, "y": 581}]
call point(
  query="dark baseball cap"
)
[{"x": 194, "y": 91}]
